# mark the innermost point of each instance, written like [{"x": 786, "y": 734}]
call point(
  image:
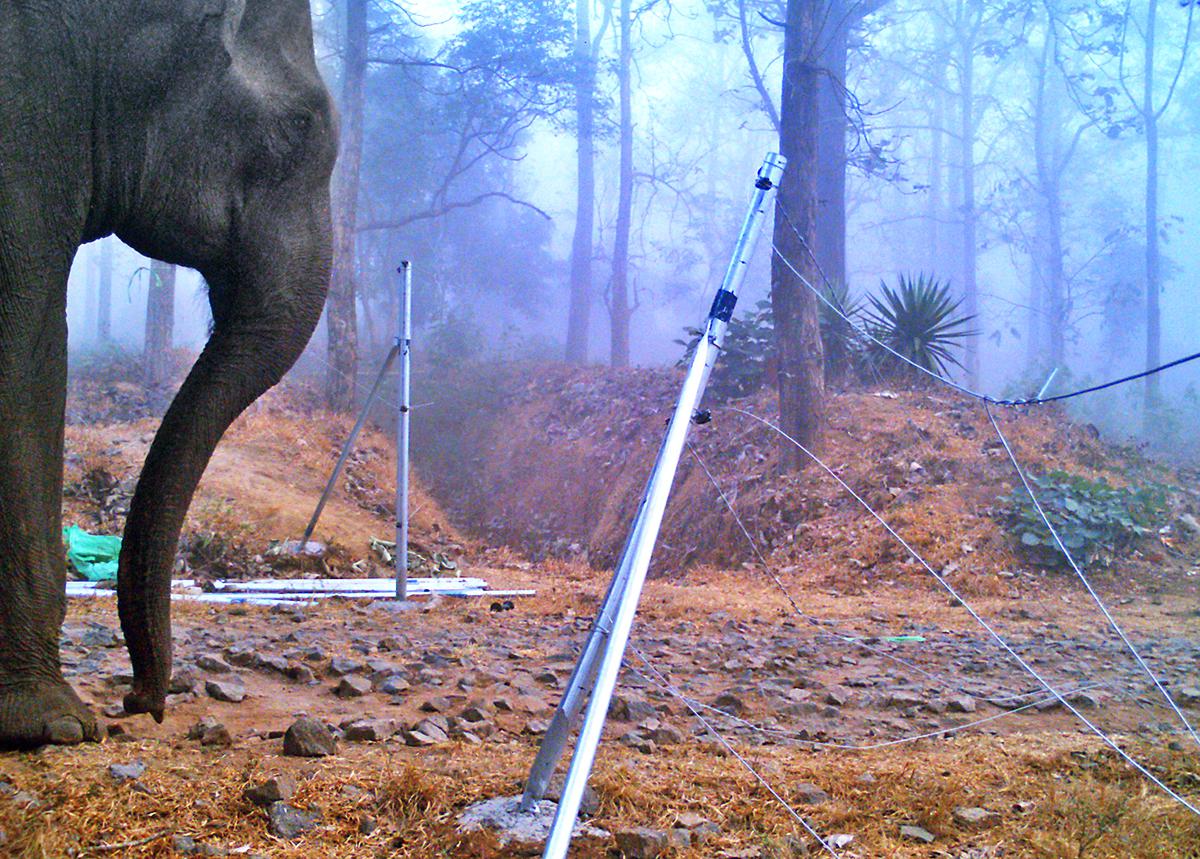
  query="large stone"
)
[
  {"x": 231, "y": 690},
  {"x": 521, "y": 833},
  {"x": 287, "y": 822},
  {"x": 308, "y": 738}
]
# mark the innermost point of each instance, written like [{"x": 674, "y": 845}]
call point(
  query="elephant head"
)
[{"x": 199, "y": 132}]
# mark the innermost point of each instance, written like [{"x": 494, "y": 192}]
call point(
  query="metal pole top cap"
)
[{"x": 772, "y": 168}]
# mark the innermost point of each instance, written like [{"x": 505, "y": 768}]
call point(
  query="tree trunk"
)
[
  {"x": 342, "y": 310},
  {"x": 831, "y": 147},
  {"x": 104, "y": 301},
  {"x": 1153, "y": 285},
  {"x": 620, "y": 307},
  {"x": 969, "y": 215},
  {"x": 1050, "y": 331},
  {"x": 160, "y": 325},
  {"x": 794, "y": 307},
  {"x": 579, "y": 314},
  {"x": 934, "y": 208}
]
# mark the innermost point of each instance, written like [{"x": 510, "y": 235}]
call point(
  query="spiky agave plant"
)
[
  {"x": 918, "y": 319},
  {"x": 839, "y": 336}
]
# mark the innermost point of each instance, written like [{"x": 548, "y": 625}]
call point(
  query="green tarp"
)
[{"x": 94, "y": 556}]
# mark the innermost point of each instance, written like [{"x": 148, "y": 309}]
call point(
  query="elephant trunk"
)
[{"x": 261, "y": 328}]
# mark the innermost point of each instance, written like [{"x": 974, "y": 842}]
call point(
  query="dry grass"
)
[{"x": 1066, "y": 800}]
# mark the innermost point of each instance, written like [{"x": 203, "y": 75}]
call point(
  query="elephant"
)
[{"x": 200, "y": 133}]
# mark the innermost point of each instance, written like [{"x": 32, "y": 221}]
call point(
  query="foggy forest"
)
[{"x": 606, "y": 428}]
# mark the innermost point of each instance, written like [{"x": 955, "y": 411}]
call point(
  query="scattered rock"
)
[
  {"x": 902, "y": 699},
  {"x": 182, "y": 681},
  {"x": 642, "y": 842},
  {"x": 437, "y": 704},
  {"x": 807, "y": 793},
  {"x": 626, "y": 709},
  {"x": 701, "y": 828},
  {"x": 354, "y": 686},
  {"x": 299, "y": 672},
  {"x": 308, "y": 738},
  {"x": 973, "y": 817},
  {"x": 277, "y": 789},
  {"x": 1189, "y": 696},
  {"x": 230, "y": 690},
  {"x": 435, "y": 728},
  {"x": 212, "y": 663},
  {"x": 217, "y": 735},
  {"x": 917, "y": 833},
  {"x": 188, "y": 846},
  {"x": 287, "y": 822},
  {"x": 730, "y": 703},
  {"x": 838, "y": 696},
  {"x": 340, "y": 666},
  {"x": 367, "y": 730},
  {"x": 127, "y": 772},
  {"x": 960, "y": 704},
  {"x": 394, "y": 686}
]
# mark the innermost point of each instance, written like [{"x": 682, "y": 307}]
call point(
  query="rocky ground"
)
[
  {"x": 873, "y": 704},
  {"x": 288, "y": 729}
]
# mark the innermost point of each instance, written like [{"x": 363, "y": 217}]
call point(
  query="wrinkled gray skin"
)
[{"x": 199, "y": 132}]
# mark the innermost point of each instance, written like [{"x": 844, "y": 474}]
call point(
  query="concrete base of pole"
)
[{"x": 521, "y": 830}]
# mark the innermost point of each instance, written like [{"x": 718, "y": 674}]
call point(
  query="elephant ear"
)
[{"x": 223, "y": 18}]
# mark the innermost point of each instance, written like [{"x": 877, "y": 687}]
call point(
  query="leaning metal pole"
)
[
  {"x": 404, "y": 344},
  {"x": 600, "y": 662},
  {"x": 349, "y": 445}
]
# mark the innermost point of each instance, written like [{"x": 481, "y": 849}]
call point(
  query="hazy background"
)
[{"x": 491, "y": 278}]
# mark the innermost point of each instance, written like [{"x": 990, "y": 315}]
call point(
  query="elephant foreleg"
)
[{"x": 36, "y": 704}]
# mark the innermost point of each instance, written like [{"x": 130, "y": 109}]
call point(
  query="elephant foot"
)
[{"x": 43, "y": 713}]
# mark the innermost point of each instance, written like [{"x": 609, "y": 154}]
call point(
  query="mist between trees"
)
[{"x": 569, "y": 178}]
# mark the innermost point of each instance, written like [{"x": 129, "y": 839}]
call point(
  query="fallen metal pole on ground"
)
[
  {"x": 283, "y": 591},
  {"x": 348, "y": 446},
  {"x": 404, "y": 344},
  {"x": 595, "y": 673}
]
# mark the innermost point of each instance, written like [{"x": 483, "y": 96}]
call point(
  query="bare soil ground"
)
[{"x": 720, "y": 631}]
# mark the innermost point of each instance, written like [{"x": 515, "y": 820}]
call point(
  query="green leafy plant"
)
[
  {"x": 747, "y": 356},
  {"x": 918, "y": 319},
  {"x": 1093, "y": 518}
]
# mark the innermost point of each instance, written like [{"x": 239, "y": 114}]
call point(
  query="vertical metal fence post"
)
[
  {"x": 600, "y": 662},
  {"x": 404, "y": 344}
]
